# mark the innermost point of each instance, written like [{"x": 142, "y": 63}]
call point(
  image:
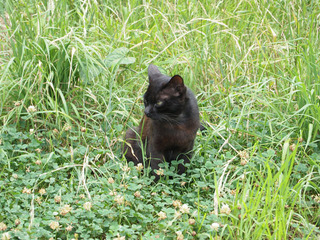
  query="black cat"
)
[{"x": 169, "y": 125}]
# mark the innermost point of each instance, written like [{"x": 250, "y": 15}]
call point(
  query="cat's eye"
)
[{"x": 159, "y": 103}]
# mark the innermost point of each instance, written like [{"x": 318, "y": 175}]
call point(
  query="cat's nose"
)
[{"x": 148, "y": 112}]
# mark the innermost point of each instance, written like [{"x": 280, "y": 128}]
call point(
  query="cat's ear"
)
[
  {"x": 153, "y": 71},
  {"x": 176, "y": 80},
  {"x": 176, "y": 83}
]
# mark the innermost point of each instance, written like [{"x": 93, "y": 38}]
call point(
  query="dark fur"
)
[{"x": 169, "y": 125}]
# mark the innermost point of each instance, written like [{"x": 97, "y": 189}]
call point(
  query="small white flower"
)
[
  {"x": 54, "y": 225},
  {"x": 176, "y": 203},
  {"x": 183, "y": 183},
  {"x": 185, "y": 208},
  {"x": 31, "y": 130},
  {"x": 32, "y": 109},
  {"x": 225, "y": 209},
  {"x": 65, "y": 209},
  {"x": 179, "y": 235},
  {"x": 160, "y": 172},
  {"x": 38, "y": 162},
  {"x": 110, "y": 180},
  {"x": 67, "y": 127},
  {"x": 192, "y": 221},
  {"x": 137, "y": 194},
  {"x": 112, "y": 193},
  {"x": 3, "y": 226},
  {"x": 42, "y": 191},
  {"x": 69, "y": 228},
  {"x": 87, "y": 206},
  {"x": 120, "y": 238},
  {"x": 292, "y": 147},
  {"x": 17, "y": 222},
  {"x": 243, "y": 162},
  {"x": 162, "y": 215},
  {"x": 26, "y": 190},
  {"x": 57, "y": 199},
  {"x": 119, "y": 199},
  {"x": 244, "y": 154},
  {"x": 126, "y": 168},
  {"x": 215, "y": 226},
  {"x": 17, "y": 103},
  {"x": 5, "y": 236},
  {"x": 139, "y": 167}
]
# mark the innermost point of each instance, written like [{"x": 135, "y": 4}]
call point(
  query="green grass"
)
[{"x": 254, "y": 67}]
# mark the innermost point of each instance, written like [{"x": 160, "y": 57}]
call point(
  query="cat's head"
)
[{"x": 165, "y": 97}]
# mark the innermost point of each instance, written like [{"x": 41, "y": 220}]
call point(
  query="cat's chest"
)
[{"x": 169, "y": 137}]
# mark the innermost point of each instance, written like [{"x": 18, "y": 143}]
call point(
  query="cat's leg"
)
[
  {"x": 154, "y": 163},
  {"x": 132, "y": 147},
  {"x": 155, "y": 158},
  {"x": 186, "y": 159}
]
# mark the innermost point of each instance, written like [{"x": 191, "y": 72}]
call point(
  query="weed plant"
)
[{"x": 72, "y": 76}]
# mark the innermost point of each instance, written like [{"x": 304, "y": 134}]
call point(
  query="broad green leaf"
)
[{"x": 119, "y": 56}]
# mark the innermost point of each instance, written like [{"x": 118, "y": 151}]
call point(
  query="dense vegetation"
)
[{"x": 72, "y": 75}]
